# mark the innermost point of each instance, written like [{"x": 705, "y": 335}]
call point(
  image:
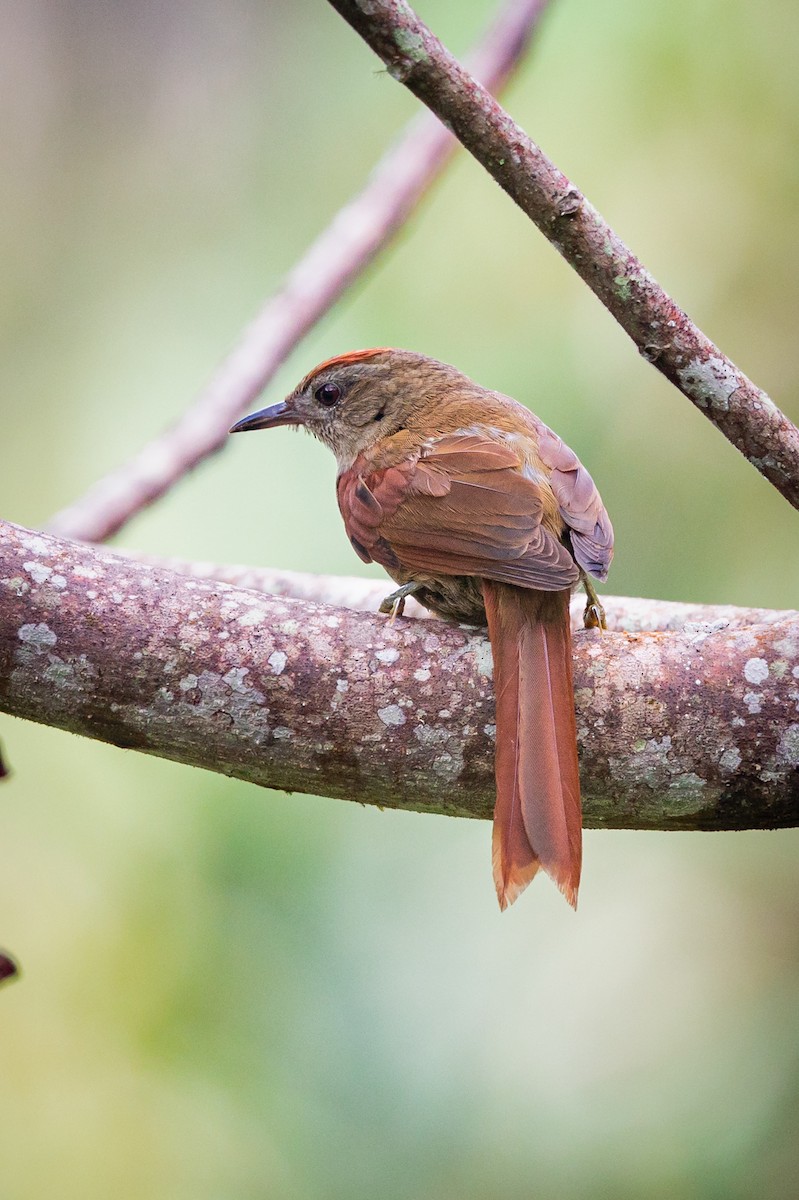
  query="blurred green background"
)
[{"x": 232, "y": 994}]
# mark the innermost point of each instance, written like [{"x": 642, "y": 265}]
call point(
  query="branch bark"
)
[
  {"x": 691, "y": 729},
  {"x": 663, "y": 333},
  {"x": 338, "y": 256},
  {"x": 624, "y": 613}
]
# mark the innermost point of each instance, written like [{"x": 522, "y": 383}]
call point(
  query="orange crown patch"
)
[{"x": 353, "y": 356}]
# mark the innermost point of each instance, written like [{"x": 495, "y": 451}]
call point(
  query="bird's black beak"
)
[{"x": 267, "y": 418}]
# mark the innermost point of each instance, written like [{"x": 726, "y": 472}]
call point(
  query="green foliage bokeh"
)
[{"x": 232, "y": 994}]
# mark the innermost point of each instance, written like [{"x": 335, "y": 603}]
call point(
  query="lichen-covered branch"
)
[
  {"x": 689, "y": 729},
  {"x": 664, "y": 335},
  {"x": 338, "y": 256},
  {"x": 626, "y": 613}
]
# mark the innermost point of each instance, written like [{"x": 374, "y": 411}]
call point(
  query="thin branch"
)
[
  {"x": 664, "y": 335},
  {"x": 625, "y": 613},
  {"x": 338, "y": 256},
  {"x": 8, "y": 968},
  {"x": 695, "y": 729}
]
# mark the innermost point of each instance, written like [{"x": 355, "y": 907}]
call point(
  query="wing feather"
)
[
  {"x": 462, "y": 507},
  {"x": 580, "y": 504}
]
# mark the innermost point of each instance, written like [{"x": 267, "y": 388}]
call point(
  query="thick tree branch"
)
[
  {"x": 338, "y": 256},
  {"x": 695, "y": 729},
  {"x": 664, "y": 335},
  {"x": 625, "y": 613}
]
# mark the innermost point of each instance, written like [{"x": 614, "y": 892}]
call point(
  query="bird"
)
[{"x": 477, "y": 509}]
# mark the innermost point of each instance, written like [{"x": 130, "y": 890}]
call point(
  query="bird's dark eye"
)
[{"x": 328, "y": 394}]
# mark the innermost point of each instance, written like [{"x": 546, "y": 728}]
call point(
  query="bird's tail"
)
[{"x": 537, "y": 818}]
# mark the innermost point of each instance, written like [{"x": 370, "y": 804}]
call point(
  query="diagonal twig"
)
[
  {"x": 337, "y": 257},
  {"x": 664, "y": 335}
]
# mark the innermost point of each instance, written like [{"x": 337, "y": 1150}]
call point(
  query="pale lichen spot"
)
[
  {"x": 235, "y": 678},
  {"x": 35, "y": 544},
  {"x": 342, "y": 685},
  {"x": 484, "y": 660},
  {"x": 38, "y": 637},
  {"x": 58, "y": 581},
  {"x": 333, "y": 622},
  {"x": 430, "y": 735},
  {"x": 277, "y": 661},
  {"x": 391, "y": 715},
  {"x": 411, "y": 43},
  {"x": 58, "y": 673},
  {"x": 117, "y": 597},
  {"x": 753, "y": 701},
  {"x": 422, "y": 674},
  {"x": 282, "y": 733},
  {"x": 710, "y": 383},
  {"x": 730, "y": 760},
  {"x": 37, "y": 571},
  {"x": 788, "y": 746},
  {"x": 490, "y": 730},
  {"x": 756, "y": 670},
  {"x": 788, "y": 646},
  {"x": 290, "y": 627},
  {"x": 187, "y": 683},
  {"x": 253, "y": 616},
  {"x": 387, "y": 656}
]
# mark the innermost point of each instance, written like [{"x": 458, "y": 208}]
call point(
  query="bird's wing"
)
[
  {"x": 462, "y": 507},
  {"x": 580, "y": 504}
]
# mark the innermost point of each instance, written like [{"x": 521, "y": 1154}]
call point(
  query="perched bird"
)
[{"x": 481, "y": 512}]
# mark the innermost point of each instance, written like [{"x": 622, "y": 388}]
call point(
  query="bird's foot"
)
[
  {"x": 594, "y": 613},
  {"x": 394, "y": 605}
]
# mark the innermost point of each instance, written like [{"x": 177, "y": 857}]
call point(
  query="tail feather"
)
[{"x": 537, "y": 818}]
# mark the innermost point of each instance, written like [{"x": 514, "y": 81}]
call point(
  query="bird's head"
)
[{"x": 352, "y": 401}]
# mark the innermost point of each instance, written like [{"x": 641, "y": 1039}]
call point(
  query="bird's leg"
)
[
  {"x": 395, "y": 603},
  {"x": 594, "y": 613}
]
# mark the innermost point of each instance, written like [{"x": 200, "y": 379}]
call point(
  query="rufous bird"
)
[{"x": 476, "y": 508}]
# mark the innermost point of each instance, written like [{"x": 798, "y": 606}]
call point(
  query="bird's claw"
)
[
  {"x": 594, "y": 616},
  {"x": 594, "y": 613},
  {"x": 394, "y": 605}
]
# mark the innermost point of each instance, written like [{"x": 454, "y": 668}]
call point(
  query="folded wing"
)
[{"x": 461, "y": 507}]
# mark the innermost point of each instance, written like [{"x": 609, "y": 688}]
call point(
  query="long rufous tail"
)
[{"x": 537, "y": 817}]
